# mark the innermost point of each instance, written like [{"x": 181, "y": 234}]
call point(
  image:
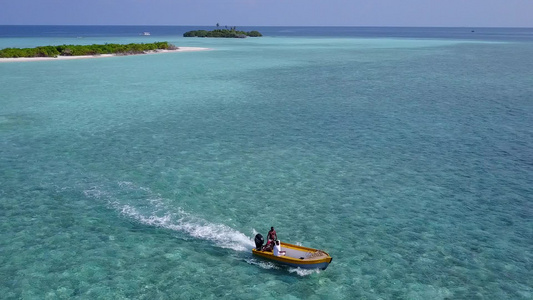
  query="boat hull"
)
[{"x": 298, "y": 256}]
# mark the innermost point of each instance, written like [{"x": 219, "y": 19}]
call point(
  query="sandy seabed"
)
[{"x": 17, "y": 59}]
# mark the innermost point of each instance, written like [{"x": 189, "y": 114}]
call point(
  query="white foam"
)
[
  {"x": 262, "y": 264},
  {"x": 269, "y": 265},
  {"x": 159, "y": 215},
  {"x": 304, "y": 272},
  {"x": 222, "y": 235}
]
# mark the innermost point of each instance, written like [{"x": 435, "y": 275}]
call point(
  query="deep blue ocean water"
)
[{"x": 406, "y": 153}]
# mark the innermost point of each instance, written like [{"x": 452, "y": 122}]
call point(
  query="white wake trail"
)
[{"x": 156, "y": 213}]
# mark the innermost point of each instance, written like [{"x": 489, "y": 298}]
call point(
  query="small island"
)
[
  {"x": 85, "y": 50},
  {"x": 223, "y": 33}
]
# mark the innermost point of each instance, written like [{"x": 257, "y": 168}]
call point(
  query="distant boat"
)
[{"x": 145, "y": 33}]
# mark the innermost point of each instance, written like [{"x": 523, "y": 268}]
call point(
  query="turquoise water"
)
[{"x": 146, "y": 177}]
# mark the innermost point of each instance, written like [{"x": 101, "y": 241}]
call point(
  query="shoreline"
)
[{"x": 23, "y": 59}]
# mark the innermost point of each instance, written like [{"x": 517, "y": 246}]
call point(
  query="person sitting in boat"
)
[
  {"x": 269, "y": 246},
  {"x": 272, "y": 236},
  {"x": 277, "y": 249}
]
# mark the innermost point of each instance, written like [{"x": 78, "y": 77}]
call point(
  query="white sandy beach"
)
[{"x": 18, "y": 59}]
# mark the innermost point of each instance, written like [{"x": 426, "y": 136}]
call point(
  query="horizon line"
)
[{"x": 368, "y": 26}]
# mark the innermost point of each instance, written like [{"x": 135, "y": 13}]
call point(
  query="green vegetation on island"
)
[
  {"x": 78, "y": 50},
  {"x": 223, "y": 33}
]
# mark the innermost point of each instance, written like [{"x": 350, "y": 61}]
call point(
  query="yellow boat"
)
[{"x": 296, "y": 256}]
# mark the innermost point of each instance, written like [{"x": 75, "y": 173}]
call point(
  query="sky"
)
[{"x": 423, "y": 13}]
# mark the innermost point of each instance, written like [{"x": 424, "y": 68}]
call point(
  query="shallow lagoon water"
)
[{"x": 408, "y": 160}]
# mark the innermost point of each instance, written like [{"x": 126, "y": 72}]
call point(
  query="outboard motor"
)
[{"x": 259, "y": 242}]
